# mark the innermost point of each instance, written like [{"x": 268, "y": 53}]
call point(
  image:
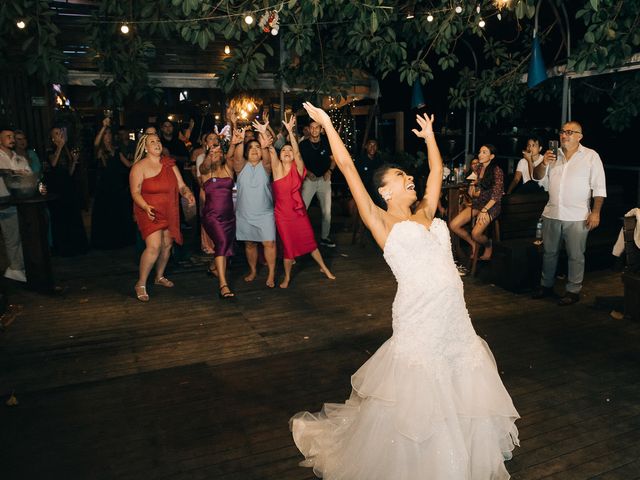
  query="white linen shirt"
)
[
  {"x": 572, "y": 183},
  {"x": 11, "y": 162}
]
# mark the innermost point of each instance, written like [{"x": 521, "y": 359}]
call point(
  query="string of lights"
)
[{"x": 270, "y": 23}]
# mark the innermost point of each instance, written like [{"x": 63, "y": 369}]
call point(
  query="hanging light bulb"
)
[
  {"x": 21, "y": 24},
  {"x": 124, "y": 28},
  {"x": 227, "y": 49},
  {"x": 248, "y": 19},
  {"x": 481, "y": 23},
  {"x": 458, "y": 9},
  {"x": 429, "y": 18}
]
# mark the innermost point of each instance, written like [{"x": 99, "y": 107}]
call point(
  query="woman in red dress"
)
[
  {"x": 155, "y": 183},
  {"x": 292, "y": 221}
]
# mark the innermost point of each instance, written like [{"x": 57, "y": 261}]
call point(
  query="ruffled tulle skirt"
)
[{"x": 413, "y": 420}]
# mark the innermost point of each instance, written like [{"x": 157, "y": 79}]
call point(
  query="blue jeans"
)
[{"x": 574, "y": 235}]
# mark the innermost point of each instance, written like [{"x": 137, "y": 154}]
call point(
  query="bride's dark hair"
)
[{"x": 377, "y": 179}]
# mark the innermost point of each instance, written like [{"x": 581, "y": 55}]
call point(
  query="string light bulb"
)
[
  {"x": 481, "y": 23},
  {"x": 478, "y": 9},
  {"x": 274, "y": 31},
  {"x": 227, "y": 49},
  {"x": 248, "y": 19},
  {"x": 499, "y": 16},
  {"x": 124, "y": 28},
  {"x": 458, "y": 9},
  {"x": 429, "y": 18},
  {"x": 21, "y": 24}
]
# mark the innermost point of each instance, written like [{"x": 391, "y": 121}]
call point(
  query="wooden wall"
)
[{"x": 17, "y": 94}]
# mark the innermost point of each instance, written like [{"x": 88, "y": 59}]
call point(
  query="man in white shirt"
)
[
  {"x": 11, "y": 164},
  {"x": 574, "y": 177}
]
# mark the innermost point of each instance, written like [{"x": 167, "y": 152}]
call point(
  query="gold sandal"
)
[
  {"x": 141, "y": 293},
  {"x": 164, "y": 282}
]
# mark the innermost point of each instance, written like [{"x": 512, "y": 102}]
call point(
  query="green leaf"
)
[
  {"x": 589, "y": 37},
  {"x": 269, "y": 49},
  {"x": 374, "y": 22},
  {"x": 594, "y": 4}
]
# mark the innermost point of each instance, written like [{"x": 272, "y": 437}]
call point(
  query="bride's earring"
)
[{"x": 386, "y": 196}]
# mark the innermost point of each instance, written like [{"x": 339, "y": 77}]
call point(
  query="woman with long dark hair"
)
[
  {"x": 111, "y": 222},
  {"x": 67, "y": 229},
  {"x": 486, "y": 196},
  {"x": 292, "y": 220},
  {"x": 430, "y": 402},
  {"x": 218, "y": 216}
]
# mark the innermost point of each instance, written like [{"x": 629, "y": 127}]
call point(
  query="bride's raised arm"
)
[
  {"x": 368, "y": 210},
  {"x": 429, "y": 202}
]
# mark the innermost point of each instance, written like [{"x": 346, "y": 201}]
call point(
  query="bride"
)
[{"x": 429, "y": 404}]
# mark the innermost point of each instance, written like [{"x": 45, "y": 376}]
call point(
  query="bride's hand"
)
[
  {"x": 426, "y": 126},
  {"x": 317, "y": 114}
]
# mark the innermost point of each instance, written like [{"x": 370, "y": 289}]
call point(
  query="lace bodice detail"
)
[{"x": 430, "y": 318}]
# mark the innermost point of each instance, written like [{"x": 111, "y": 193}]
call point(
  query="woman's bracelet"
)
[{"x": 484, "y": 210}]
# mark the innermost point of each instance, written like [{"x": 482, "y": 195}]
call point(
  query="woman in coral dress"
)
[
  {"x": 218, "y": 216},
  {"x": 292, "y": 221},
  {"x": 156, "y": 184},
  {"x": 429, "y": 404}
]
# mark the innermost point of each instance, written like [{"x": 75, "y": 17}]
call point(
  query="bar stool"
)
[{"x": 495, "y": 237}]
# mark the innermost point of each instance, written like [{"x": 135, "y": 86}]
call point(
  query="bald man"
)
[{"x": 574, "y": 178}]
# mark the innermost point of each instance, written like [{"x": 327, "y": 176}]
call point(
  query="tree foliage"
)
[{"x": 325, "y": 41}]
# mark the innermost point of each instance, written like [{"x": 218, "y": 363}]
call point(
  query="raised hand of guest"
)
[
  {"x": 289, "y": 125},
  {"x": 260, "y": 127},
  {"x": 238, "y": 136},
  {"x": 58, "y": 139},
  {"x": 426, "y": 126},
  {"x": 106, "y": 122}
]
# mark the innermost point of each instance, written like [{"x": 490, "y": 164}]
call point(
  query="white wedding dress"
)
[{"x": 429, "y": 404}]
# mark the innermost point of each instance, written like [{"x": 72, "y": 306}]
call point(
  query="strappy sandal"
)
[
  {"x": 141, "y": 293},
  {"x": 164, "y": 282},
  {"x": 227, "y": 295}
]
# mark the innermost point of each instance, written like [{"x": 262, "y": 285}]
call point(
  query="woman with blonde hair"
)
[{"x": 155, "y": 184}]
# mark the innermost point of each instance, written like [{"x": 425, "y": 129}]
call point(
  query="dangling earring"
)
[{"x": 386, "y": 196}]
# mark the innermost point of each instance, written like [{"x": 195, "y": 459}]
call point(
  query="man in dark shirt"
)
[
  {"x": 171, "y": 141},
  {"x": 316, "y": 154},
  {"x": 367, "y": 163}
]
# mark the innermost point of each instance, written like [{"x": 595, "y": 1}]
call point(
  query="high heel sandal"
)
[
  {"x": 227, "y": 295},
  {"x": 164, "y": 282},
  {"x": 141, "y": 293}
]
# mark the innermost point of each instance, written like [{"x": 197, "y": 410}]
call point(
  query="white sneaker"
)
[{"x": 17, "y": 275}]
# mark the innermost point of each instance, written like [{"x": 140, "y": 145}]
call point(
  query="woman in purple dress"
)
[{"x": 218, "y": 216}]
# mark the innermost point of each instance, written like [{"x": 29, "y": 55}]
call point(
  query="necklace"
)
[{"x": 315, "y": 145}]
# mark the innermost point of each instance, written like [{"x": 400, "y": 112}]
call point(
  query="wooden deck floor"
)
[{"x": 192, "y": 387}]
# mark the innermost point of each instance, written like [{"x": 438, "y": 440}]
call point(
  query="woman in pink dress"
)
[{"x": 292, "y": 221}]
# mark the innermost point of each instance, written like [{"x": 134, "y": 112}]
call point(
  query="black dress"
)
[
  {"x": 67, "y": 229},
  {"x": 112, "y": 223}
]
